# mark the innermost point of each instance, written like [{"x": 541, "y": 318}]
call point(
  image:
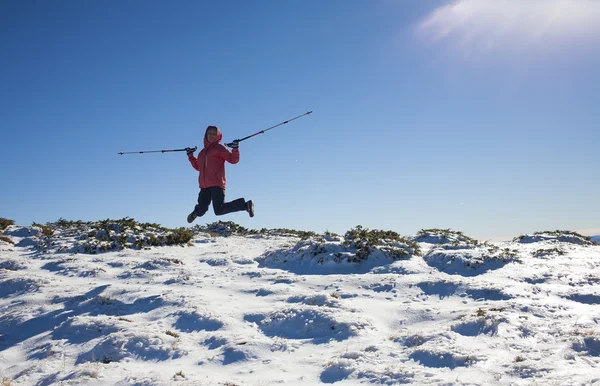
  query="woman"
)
[{"x": 211, "y": 165}]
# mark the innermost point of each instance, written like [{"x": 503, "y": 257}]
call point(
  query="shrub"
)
[
  {"x": 4, "y": 223},
  {"x": 46, "y": 230},
  {"x": 6, "y": 239},
  {"x": 180, "y": 236},
  {"x": 389, "y": 242},
  {"x": 445, "y": 236}
]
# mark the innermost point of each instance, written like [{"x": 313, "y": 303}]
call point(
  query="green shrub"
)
[
  {"x": 46, "y": 230},
  {"x": 179, "y": 236},
  {"x": 446, "y": 236},
  {"x": 5, "y": 223},
  {"x": 365, "y": 241}
]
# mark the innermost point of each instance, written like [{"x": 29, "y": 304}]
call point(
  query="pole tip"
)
[{"x": 309, "y": 112}]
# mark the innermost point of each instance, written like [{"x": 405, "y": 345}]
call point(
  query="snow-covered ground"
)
[{"x": 275, "y": 309}]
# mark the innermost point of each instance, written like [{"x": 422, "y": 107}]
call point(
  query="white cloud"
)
[{"x": 483, "y": 26}]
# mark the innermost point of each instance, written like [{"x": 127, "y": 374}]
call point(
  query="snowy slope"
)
[{"x": 265, "y": 310}]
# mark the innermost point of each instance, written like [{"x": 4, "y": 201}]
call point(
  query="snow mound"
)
[
  {"x": 316, "y": 300},
  {"x": 11, "y": 265},
  {"x": 364, "y": 366},
  {"x": 100, "y": 236},
  {"x": 444, "y": 289},
  {"x": 559, "y": 236},
  {"x": 438, "y": 359},
  {"x": 128, "y": 346},
  {"x": 470, "y": 261},
  {"x": 22, "y": 232},
  {"x": 192, "y": 322},
  {"x": 319, "y": 325},
  {"x": 589, "y": 345},
  {"x": 81, "y": 329},
  {"x": 230, "y": 228},
  {"x": 18, "y": 286},
  {"x": 318, "y": 256},
  {"x": 444, "y": 237},
  {"x": 485, "y": 324},
  {"x": 71, "y": 267}
]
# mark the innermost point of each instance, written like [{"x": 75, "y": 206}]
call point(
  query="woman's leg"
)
[
  {"x": 204, "y": 198},
  {"x": 221, "y": 207}
]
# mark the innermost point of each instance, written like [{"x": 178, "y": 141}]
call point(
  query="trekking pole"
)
[
  {"x": 262, "y": 131},
  {"x": 157, "y": 151}
]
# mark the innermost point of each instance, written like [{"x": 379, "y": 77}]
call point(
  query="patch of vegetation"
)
[
  {"x": 445, "y": 237},
  {"x": 549, "y": 251},
  {"x": 5, "y": 381},
  {"x": 365, "y": 241},
  {"x": 223, "y": 228},
  {"x": 229, "y": 228},
  {"x": 557, "y": 235},
  {"x": 173, "y": 334},
  {"x": 496, "y": 253},
  {"x": 331, "y": 234},
  {"x": 6, "y": 239},
  {"x": 5, "y": 223},
  {"x": 46, "y": 230},
  {"x": 179, "y": 236},
  {"x": 303, "y": 235},
  {"x": 109, "y": 235}
]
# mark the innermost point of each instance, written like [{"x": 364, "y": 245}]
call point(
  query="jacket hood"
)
[{"x": 219, "y": 137}]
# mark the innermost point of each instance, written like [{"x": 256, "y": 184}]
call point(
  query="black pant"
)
[{"x": 217, "y": 196}]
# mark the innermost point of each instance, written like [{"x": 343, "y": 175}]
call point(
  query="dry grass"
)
[
  {"x": 6, "y": 239},
  {"x": 172, "y": 333}
]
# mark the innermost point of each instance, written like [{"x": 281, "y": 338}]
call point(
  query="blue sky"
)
[{"x": 480, "y": 116}]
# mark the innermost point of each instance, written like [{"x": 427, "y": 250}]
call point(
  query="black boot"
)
[
  {"x": 250, "y": 208},
  {"x": 191, "y": 217}
]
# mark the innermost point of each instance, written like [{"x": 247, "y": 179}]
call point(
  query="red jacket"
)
[{"x": 211, "y": 162}]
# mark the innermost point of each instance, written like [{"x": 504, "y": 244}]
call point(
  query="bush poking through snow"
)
[
  {"x": 444, "y": 236},
  {"x": 5, "y": 223},
  {"x": 558, "y": 236},
  {"x": 223, "y": 228},
  {"x": 229, "y": 228},
  {"x": 541, "y": 253},
  {"x": 365, "y": 241},
  {"x": 6, "y": 239},
  {"x": 46, "y": 230},
  {"x": 106, "y": 235}
]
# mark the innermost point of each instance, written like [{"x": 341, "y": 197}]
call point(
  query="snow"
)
[{"x": 435, "y": 309}]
